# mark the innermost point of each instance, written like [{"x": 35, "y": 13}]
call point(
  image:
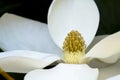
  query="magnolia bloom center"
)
[{"x": 74, "y": 48}]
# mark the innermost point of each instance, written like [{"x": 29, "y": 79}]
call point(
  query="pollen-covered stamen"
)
[{"x": 74, "y": 47}]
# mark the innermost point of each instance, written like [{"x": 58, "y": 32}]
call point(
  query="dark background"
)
[{"x": 37, "y": 10}]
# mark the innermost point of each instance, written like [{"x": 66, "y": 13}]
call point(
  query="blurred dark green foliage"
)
[
  {"x": 34, "y": 9},
  {"x": 109, "y": 16}
]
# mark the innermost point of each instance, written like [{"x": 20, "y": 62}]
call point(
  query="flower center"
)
[{"x": 74, "y": 48}]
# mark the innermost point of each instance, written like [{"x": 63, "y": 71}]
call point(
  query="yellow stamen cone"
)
[{"x": 74, "y": 48}]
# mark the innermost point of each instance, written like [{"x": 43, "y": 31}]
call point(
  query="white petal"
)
[
  {"x": 95, "y": 41},
  {"x": 107, "y": 50},
  {"x": 67, "y": 15},
  {"x": 23, "y": 61},
  {"x": 110, "y": 71},
  {"x": 114, "y": 78},
  {"x": 21, "y": 33},
  {"x": 64, "y": 72}
]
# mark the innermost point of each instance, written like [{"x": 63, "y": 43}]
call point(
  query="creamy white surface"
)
[
  {"x": 67, "y": 15},
  {"x": 19, "y": 33},
  {"x": 64, "y": 72},
  {"x": 22, "y": 61}
]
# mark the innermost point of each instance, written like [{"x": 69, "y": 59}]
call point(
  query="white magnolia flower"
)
[{"x": 72, "y": 25}]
